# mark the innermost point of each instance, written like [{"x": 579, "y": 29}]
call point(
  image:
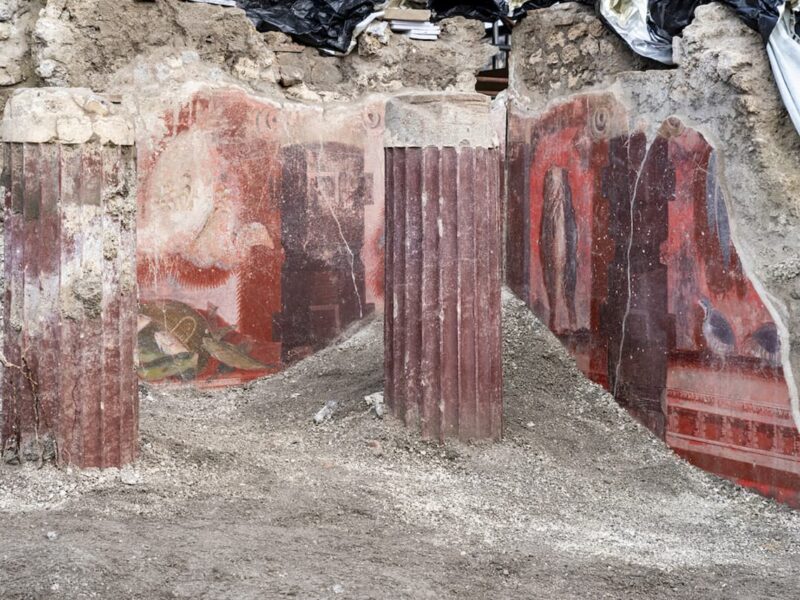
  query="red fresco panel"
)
[
  {"x": 322, "y": 281},
  {"x": 517, "y": 222},
  {"x": 254, "y": 251},
  {"x": 209, "y": 245},
  {"x": 692, "y": 350},
  {"x": 372, "y": 254}
]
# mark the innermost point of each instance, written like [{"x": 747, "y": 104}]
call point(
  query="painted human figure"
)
[{"x": 558, "y": 243}]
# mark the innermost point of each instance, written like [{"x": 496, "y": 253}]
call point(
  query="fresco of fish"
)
[
  {"x": 230, "y": 355},
  {"x": 169, "y": 366}
]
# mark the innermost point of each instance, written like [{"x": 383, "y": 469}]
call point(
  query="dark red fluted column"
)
[
  {"x": 69, "y": 385},
  {"x": 443, "y": 366}
]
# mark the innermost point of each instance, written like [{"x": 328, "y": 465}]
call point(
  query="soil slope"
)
[{"x": 239, "y": 495}]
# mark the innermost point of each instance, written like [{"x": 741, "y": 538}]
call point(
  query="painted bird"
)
[
  {"x": 766, "y": 343},
  {"x": 716, "y": 330},
  {"x": 558, "y": 243}
]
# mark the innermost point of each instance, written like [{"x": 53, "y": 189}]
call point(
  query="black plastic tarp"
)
[
  {"x": 319, "y": 23},
  {"x": 761, "y": 15},
  {"x": 669, "y": 17},
  {"x": 483, "y": 10}
]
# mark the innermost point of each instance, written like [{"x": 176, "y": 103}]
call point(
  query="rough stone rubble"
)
[{"x": 112, "y": 47}]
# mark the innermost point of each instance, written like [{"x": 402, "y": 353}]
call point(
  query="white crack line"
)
[
  {"x": 628, "y": 265},
  {"x": 352, "y": 257}
]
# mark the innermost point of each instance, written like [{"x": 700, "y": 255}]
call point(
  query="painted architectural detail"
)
[
  {"x": 623, "y": 246},
  {"x": 260, "y": 238},
  {"x": 324, "y": 193}
]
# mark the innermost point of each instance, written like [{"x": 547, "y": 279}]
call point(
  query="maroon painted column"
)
[
  {"x": 442, "y": 339},
  {"x": 69, "y": 386}
]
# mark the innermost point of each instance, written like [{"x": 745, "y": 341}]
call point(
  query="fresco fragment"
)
[
  {"x": 251, "y": 239},
  {"x": 659, "y": 309}
]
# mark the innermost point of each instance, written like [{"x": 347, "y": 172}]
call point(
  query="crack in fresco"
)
[
  {"x": 352, "y": 258},
  {"x": 628, "y": 274}
]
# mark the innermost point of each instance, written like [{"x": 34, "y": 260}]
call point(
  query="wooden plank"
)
[{"x": 407, "y": 14}]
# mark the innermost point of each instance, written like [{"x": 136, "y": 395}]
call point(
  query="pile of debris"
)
[
  {"x": 333, "y": 25},
  {"x": 648, "y": 28},
  {"x": 415, "y": 23}
]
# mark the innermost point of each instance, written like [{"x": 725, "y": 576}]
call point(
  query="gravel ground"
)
[{"x": 239, "y": 495}]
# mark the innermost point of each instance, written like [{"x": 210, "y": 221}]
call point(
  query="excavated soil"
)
[{"x": 239, "y": 495}]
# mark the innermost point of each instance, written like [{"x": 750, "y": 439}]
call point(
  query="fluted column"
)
[
  {"x": 443, "y": 366},
  {"x": 69, "y": 385}
]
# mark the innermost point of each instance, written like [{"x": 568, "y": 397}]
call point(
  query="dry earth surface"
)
[{"x": 239, "y": 495}]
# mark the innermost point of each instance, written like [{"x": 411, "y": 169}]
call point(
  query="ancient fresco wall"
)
[
  {"x": 260, "y": 234},
  {"x": 623, "y": 245}
]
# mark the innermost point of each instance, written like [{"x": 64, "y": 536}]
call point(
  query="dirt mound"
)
[{"x": 239, "y": 495}]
